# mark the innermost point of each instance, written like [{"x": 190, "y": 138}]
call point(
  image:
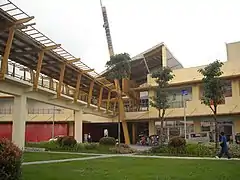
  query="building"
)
[{"x": 141, "y": 117}]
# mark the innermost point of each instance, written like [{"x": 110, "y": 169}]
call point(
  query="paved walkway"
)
[{"x": 101, "y": 156}]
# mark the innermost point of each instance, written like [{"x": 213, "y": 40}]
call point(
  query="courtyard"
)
[{"x": 120, "y": 167}]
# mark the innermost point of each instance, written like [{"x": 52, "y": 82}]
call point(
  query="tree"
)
[
  {"x": 119, "y": 68},
  {"x": 213, "y": 90},
  {"x": 160, "y": 101}
]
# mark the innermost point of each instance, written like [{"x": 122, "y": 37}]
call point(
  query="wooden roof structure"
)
[{"x": 28, "y": 42}]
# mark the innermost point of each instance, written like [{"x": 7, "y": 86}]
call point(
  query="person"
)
[
  {"x": 224, "y": 146},
  {"x": 89, "y": 138}
]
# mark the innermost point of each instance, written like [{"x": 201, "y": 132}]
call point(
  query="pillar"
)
[
  {"x": 151, "y": 127},
  {"x": 235, "y": 89},
  {"x": 197, "y": 126},
  {"x": 20, "y": 115},
  {"x": 195, "y": 93},
  {"x": 134, "y": 133},
  {"x": 78, "y": 127}
]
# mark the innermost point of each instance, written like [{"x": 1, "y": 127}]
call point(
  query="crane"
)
[{"x": 107, "y": 29}]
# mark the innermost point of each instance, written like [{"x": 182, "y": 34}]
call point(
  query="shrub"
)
[
  {"x": 10, "y": 161},
  {"x": 109, "y": 141},
  {"x": 68, "y": 141},
  {"x": 234, "y": 150},
  {"x": 59, "y": 140},
  {"x": 177, "y": 142},
  {"x": 122, "y": 150},
  {"x": 90, "y": 146}
]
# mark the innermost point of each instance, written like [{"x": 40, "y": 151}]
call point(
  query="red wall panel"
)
[
  {"x": 6, "y": 131},
  {"x": 36, "y": 132}
]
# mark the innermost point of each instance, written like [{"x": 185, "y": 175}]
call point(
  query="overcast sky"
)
[{"x": 195, "y": 31}]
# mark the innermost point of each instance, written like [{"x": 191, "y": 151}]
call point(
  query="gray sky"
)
[{"x": 195, "y": 31}]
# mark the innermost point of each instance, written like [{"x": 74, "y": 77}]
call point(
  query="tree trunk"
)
[
  {"x": 216, "y": 130},
  {"x": 161, "y": 117}
]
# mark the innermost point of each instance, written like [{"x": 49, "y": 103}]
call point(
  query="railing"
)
[
  {"x": 34, "y": 111},
  {"x": 21, "y": 72}
]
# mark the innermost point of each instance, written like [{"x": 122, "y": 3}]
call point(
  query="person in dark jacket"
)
[{"x": 224, "y": 146}]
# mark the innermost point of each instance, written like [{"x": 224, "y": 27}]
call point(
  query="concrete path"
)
[
  {"x": 101, "y": 156},
  {"x": 67, "y": 160}
]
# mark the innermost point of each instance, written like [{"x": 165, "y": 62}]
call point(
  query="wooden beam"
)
[
  {"x": 108, "y": 85},
  {"x": 100, "y": 98},
  {"x": 4, "y": 62},
  {"x": 76, "y": 95},
  {"x": 100, "y": 78},
  {"x": 73, "y": 60},
  {"x": 38, "y": 70},
  {"x": 48, "y": 48},
  {"x": 108, "y": 100},
  {"x": 24, "y": 20},
  {"x": 62, "y": 72},
  {"x": 86, "y": 71},
  {"x": 90, "y": 93}
]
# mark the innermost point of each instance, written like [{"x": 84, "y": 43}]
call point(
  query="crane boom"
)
[{"x": 107, "y": 29}]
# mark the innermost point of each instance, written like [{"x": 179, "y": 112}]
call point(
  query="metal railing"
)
[{"x": 9, "y": 110}]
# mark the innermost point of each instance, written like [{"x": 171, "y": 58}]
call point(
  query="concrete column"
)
[
  {"x": 195, "y": 92},
  {"x": 20, "y": 115},
  {"x": 235, "y": 89},
  {"x": 151, "y": 127},
  {"x": 197, "y": 126},
  {"x": 134, "y": 133},
  {"x": 78, "y": 127}
]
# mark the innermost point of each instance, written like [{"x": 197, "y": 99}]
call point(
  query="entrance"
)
[{"x": 227, "y": 128}]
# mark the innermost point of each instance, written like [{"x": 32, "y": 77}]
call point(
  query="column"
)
[
  {"x": 20, "y": 115},
  {"x": 134, "y": 133},
  {"x": 151, "y": 127},
  {"x": 78, "y": 127},
  {"x": 195, "y": 92},
  {"x": 235, "y": 89},
  {"x": 197, "y": 126}
]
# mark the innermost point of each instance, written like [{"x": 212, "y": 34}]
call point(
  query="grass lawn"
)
[
  {"x": 123, "y": 168},
  {"x": 43, "y": 156}
]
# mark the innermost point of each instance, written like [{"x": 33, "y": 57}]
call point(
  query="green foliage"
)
[
  {"x": 119, "y": 66},
  {"x": 177, "y": 142},
  {"x": 107, "y": 141},
  {"x": 162, "y": 78},
  {"x": 122, "y": 149},
  {"x": 79, "y": 147},
  {"x": 10, "y": 161},
  {"x": 68, "y": 141},
  {"x": 213, "y": 86}
]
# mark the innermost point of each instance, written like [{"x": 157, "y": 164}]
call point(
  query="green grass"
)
[
  {"x": 43, "y": 156},
  {"x": 123, "y": 168}
]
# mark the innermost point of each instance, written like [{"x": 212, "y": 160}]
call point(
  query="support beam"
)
[
  {"x": 90, "y": 93},
  {"x": 89, "y": 70},
  {"x": 20, "y": 115},
  {"x": 62, "y": 72},
  {"x": 48, "y": 48},
  {"x": 108, "y": 101},
  {"x": 4, "y": 62},
  {"x": 134, "y": 133},
  {"x": 100, "y": 78},
  {"x": 100, "y": 98},
  {"x": 76, "y": 95},
  {"x": 24, "y": 20},
  {"x": 38, "y": 70},
  {"x": 78, "y": 127},
  {"x": 73, "y": 60}
]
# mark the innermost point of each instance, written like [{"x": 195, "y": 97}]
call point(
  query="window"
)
[{"x": 228, "y": 88}]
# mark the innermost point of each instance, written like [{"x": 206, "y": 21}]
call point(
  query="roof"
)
[
  {"x": 147, "y": 61},
  {"x": 28, "y": 42}
]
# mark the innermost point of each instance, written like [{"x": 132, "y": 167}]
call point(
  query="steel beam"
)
[
  {"x": 62, "y": 72},
  {"x": 4, "y": 63}
]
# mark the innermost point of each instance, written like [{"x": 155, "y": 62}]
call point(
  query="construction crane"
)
[{"x": 107, "y": 29}]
